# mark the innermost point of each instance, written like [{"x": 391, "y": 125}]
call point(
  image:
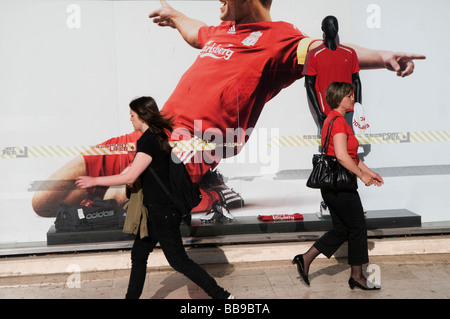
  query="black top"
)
[{"x": 153, "y": 193}]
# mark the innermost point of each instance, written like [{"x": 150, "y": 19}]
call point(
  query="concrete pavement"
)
[
  {"x": 401, "y": 277},
  {"x": 406, "y": 268}
]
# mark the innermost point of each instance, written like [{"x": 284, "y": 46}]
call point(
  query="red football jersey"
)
[
  {"x": 239, "y": 69},
  {"x": 340, "y": 125},
  {"x": 330, "y": 66}
]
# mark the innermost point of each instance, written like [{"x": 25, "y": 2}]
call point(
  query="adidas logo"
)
[{"x": 232, "y": 29}]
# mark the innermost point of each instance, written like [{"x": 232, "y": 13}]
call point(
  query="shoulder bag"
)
[
  {"x": 327, "y": 172},
  {"x": 185, "y": 194}
]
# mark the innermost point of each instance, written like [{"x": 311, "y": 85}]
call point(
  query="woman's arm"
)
[
  {"x": 377, "y": 180},
  {"x": 340, "y": 149},
  {"x": 140, "y": 163}
]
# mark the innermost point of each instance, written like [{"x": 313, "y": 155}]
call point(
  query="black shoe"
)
[
  {"x": 370, "y": 286},
  {"x": 301, "y": 268}
]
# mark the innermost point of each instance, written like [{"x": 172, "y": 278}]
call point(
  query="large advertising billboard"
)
[{"x": 69, "y": 70}]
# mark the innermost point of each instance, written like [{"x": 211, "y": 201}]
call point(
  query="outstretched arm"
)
[
  {"x": 140, "y": 163},
  {"x": 399, "y": 62},
  {"x": 166, "y": 16}
]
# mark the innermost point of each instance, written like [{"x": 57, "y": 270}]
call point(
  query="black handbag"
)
[
  {"x": 327, "y": 172},
  {"x": 344, "y": 180}
]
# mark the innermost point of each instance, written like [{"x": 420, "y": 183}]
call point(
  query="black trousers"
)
[
  {"x": 349, "y": 224},
  {"x": 164, "y": 227}
]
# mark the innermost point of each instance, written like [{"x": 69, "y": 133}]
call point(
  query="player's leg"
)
[
  {"x": 218, "y": 198},
  {"x": 60, "y": 188}
]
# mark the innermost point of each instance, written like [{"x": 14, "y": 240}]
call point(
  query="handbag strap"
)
[
  {"x": 327, "y": 139},
  {"x": 160, "y": 182}
]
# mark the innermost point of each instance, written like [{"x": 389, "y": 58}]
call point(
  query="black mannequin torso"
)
[{"x": 330, "y": 28}]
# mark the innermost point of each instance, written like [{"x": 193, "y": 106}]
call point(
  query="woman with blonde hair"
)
[{"x": 346, "y": 210}]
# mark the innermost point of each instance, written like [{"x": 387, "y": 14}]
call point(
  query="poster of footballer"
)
[{"x": 247, "y": 120}]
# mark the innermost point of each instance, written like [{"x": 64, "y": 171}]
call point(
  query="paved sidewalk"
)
[{"x": 425, "y": 276}]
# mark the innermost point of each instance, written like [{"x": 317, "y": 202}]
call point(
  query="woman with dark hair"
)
[
  {"x": 153, "y": 150},
  {"x": 346, "y": 210}
]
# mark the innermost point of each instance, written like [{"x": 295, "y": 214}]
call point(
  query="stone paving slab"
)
[{"x": 424, "y": 276}]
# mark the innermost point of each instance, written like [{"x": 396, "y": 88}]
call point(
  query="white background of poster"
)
[{"x": 70, "y": 86}]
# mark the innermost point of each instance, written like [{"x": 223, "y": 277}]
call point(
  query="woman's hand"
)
[
  {"x": 370, "y": 178},
  {"x": 366, "y": 178},
  {"x": 85, "y": 181},
  {"x": 377, "y": 180}
]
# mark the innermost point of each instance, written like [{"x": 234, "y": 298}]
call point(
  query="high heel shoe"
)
[
  {"x": 353, "y": 283},
  {"x": 301, "y": 268}
]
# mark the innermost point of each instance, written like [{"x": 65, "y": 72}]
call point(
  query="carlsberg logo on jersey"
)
[
  {"x": 216, "y": 51},
  {"x": 220, "y": 51}
]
